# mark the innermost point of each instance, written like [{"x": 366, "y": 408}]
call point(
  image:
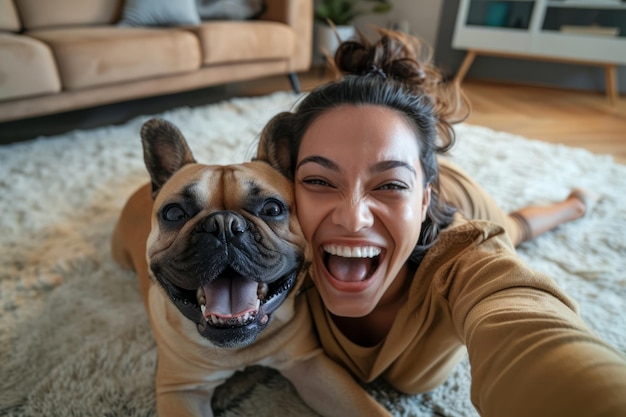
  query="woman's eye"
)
[
  {"x": 174, "y": 213},
  {"x": 272, "y": 209},
  {"x": 315, "y": 181},
  {"x": 393, "y": 186}
]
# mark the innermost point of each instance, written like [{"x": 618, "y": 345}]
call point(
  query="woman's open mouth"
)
[{"x": 351, "y": 264}]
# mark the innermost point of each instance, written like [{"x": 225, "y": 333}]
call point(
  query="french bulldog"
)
[{"x": 221, "y": 261}]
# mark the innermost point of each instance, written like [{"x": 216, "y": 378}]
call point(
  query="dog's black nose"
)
[{"x": 225, "y": 225}]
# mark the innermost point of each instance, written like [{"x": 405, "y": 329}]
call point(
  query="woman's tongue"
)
[{"x": 349, "y": 269}]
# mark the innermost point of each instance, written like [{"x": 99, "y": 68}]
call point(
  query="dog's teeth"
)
[
  {"x": 203, "y": 309},
  {"x": 200, "y": 296},
  {"x": 262, "y": 292},
  {"x": 232, "y": 321}
]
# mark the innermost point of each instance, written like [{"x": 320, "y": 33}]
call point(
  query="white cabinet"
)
[{"x": 589, "y": 32}]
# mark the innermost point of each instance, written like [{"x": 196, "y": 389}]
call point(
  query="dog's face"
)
[{"x": 225, "y": 244}]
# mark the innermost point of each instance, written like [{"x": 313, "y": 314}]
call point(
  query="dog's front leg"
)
[
  {"x": 190, "y": 403},
  {"x": 330, "y": 390},
  {"x": 183, "y": 388}
]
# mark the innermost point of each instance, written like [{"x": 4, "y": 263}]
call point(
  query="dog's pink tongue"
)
[
  {"x": 349, "y": 269},
  {"x": 230, "y": 296}
]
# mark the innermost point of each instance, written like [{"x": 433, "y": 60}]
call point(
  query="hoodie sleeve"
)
[{"x": 530, "y": 352}]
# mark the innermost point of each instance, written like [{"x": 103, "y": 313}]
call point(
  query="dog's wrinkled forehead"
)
[{"x": 224, "y": 187}]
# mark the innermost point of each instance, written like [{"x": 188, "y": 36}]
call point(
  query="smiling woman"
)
[
  {"x": 360, "y": 169},
  {"x": 413, "y": 263}
]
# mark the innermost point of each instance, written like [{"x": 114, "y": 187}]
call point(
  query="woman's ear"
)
[
  {"x": 426, "y": 201},
  {"x": 274, "y": 144}
]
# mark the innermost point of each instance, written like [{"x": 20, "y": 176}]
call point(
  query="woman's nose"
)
[{"x": 353, "y": 214}]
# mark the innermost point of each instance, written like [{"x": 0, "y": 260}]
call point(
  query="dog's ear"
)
[
  {"x": 165, "y": 151},
  {"x": 275, "y": 144}
]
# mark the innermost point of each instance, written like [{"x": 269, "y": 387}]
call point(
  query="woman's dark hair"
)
[{"x": 388, "y": 73}]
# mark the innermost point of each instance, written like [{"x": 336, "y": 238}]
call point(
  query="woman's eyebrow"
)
[
  {"x": 376, "y": 168},
  {"x": 392, "y": 164},
  {"x": 320, "y": 160}
]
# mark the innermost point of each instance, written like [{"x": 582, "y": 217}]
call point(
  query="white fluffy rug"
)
[{"x": 74, "y": 339}]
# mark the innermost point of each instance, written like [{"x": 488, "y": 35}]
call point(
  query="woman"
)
[{"x": 412, "y": 262}]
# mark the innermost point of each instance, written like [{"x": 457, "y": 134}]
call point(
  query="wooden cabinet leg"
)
[
  {"x": 467, "y": 62},
  {"x": 610, "y": 81}
]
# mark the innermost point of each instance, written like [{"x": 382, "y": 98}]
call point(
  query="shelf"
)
[
  {"x": 597, "y": 4},
  {"x": 512, "y": 14},
  {"x": 591, "y": 32},
  {"x": 544, "y": 27},
  {"x": 608, "y": 20}
]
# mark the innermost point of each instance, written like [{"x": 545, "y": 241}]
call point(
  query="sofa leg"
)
[{"x": 295, "y": 82}]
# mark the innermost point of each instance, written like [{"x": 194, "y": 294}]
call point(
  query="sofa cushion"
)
[
  {"x": 159, "y": 13},
  {"x": 26, "y": 67},
  {"x": 239, "y": 41},
  {"x": 38, "y": 14},
  {"x": 8, "y": 16},
  {"x": 93, "y": 56},
  {"x": 230, "y": 9}
]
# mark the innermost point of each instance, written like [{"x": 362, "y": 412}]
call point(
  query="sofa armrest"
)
[
  {"x": 9, "y": 20},
  {"x": 299, "y": 15}
]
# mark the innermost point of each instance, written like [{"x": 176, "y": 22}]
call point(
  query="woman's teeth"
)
[
  {"x": 353, "y": 252},
  {"x": 351, "y": 264}
]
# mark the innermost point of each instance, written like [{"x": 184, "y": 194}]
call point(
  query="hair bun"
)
[
  {"x": 374, "y": 70},
  {"x": 396, "y": 54},
  {"x": 351, "y": 57},
  {"x": 404, "y": 59}
]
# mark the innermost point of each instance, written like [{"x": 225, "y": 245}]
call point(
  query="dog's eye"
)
[
  {"x": 174, "y": 213},
  {"x": 272, "y": 208}
]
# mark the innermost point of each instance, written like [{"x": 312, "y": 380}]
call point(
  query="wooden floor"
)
[{"x": 573, "y": 118}]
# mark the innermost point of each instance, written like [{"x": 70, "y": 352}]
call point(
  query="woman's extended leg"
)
[
  {"x": 524, "y": 224},
  {"x": 536, "y": 220}
]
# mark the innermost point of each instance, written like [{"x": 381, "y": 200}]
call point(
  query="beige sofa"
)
[{"x": 61, "y": 55}]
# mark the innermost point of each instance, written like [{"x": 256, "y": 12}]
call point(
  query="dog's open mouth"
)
[
  {"x": 231, "y": 309},
  {"x": 233, "y": 300}
]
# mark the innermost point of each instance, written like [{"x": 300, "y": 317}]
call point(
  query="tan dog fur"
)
[{"x": 190, "y": 367}]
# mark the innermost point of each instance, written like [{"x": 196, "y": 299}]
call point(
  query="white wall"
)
[
  {"x": 421, "y": 17},
  {"x": 417, "y": 17}
]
